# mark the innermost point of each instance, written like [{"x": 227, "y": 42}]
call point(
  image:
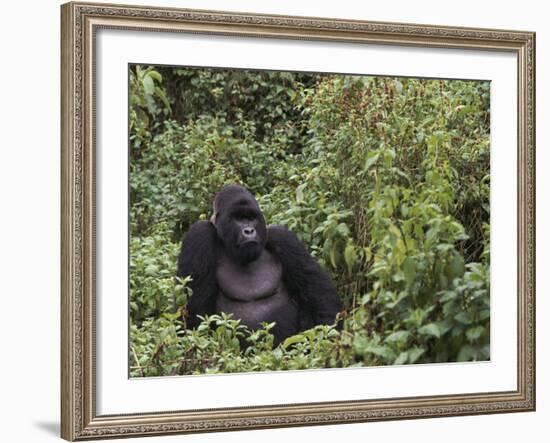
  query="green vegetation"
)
[{"x": 385, "y": 179}]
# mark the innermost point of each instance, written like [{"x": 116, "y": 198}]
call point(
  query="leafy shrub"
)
[
  {"x": 148, "y": 102},
  {"x": 385, "y": 179}
]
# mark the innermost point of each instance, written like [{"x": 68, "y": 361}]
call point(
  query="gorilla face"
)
[{"x": 239, "y": 223}]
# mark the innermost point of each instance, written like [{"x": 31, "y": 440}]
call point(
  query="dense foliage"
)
[{"x": 385, "y": 179}]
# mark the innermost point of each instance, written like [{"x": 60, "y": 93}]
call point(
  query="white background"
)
[{"x": 29, "y": 220}]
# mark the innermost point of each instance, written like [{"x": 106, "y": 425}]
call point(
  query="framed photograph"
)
[{"x": 283, "y": 221}]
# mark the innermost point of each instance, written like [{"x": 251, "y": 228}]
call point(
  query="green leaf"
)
[
  {"x": 342, "y": 229},
  {"x": 398, "y": 86},
  {"x": 333, "y": 253},
  {"x": 300, "y": 193},
  {"x": 485, "y": 352},
  {"x": 409, "y": 269},
  {"x": 389, "y": 155},
  {"x": 148, "y": 85},
  {"x": 467, "y": 353},
  {"x": 151, "y": 270},
  {"x": 398, "y": 337},
  {"x": 431, "y": 234},
  {"x": 370, "y": 161},
  {"x": 430, "y": 329},
  {"x": 415, "y": 354},
  {"x": 484, "y": 314},
  {"x": 277, "y": 353},
  {"x": 455, "y": 268},
  {"x": 156, "y": 75},
  {"x": 448, "y": 296},
  {"x": 464, "y": 318},
  {"x": 293, "y": 340},
  {"x": 350, "y": 256},
  {"x": 365, "y": 299},
  {"x": 360, "y": 344},
  {"x": 402, "y": 359},
  {"x": 381, "y": 351},
  {"x": 475, "y": 333}
]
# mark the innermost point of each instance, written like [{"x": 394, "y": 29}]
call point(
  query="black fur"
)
[{"x": 235, "y": 209}]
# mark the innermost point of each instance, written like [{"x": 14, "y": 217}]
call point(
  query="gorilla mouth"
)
[{"x": 248, "y": 242}]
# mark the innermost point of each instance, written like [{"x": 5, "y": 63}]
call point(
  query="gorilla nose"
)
[{"x": 249, "y": 232}]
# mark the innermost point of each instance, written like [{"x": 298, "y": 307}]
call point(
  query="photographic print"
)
[{"x": 293, "y": 220}]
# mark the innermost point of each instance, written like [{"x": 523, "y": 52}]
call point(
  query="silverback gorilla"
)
[{"x": 259, "y": 273}]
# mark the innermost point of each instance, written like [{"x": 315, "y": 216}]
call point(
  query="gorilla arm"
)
[
  {"x": 304, "y": 278},
  {"x": 198, "y": 259}
]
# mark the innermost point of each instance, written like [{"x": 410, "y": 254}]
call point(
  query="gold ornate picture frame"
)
[{"x": 81, "y": 22}]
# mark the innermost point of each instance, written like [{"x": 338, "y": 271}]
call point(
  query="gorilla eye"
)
[{"x": 244, "y": 216}]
